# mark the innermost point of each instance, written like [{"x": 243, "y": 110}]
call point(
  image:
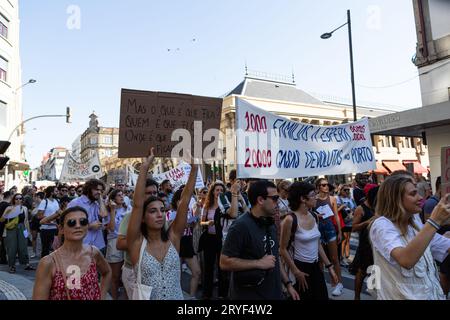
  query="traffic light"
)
[
  {"x": 68, "y": 115},
  {"x": 4, "y": 145}
]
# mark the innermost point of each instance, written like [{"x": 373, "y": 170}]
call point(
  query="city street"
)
[{"x": 19, "y": 286}]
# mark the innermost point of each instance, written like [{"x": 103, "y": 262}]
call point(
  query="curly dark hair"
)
[
  {"x": 297, "y": 191},
  {"x": 92, "y": 184}
]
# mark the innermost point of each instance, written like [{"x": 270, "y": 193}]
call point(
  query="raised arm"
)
[
  {"x": 179, "y": 224},
  {"x": 235, "y": 191},
  {"x": 408, "y": 256},
  {"x": 134, "y": 227}
]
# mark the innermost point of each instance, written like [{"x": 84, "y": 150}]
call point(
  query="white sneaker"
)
[{"x": 337, "y": 290}]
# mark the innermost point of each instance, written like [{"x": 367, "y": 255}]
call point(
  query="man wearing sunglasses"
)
[
  {"x": 251, "y": 250},
  {"x": 92, "y": 202}
]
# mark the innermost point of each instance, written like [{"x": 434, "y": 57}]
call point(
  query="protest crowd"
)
[{"x": 253, "y": 239}]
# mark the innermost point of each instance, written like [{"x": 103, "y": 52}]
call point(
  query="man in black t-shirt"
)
[{"x": 251, "y": 250}]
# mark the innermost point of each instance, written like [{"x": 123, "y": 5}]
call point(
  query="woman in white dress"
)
[
  {"x": 159, "y": 262},
  {"x": 404, "y": 249}
]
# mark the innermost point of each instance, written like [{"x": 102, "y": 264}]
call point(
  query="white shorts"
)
[
  {"x": 112, "y": 254},
  {"x": 128, "y": 280}
]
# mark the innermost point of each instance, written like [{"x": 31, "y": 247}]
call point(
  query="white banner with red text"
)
[{"x": 274, "y": 147}]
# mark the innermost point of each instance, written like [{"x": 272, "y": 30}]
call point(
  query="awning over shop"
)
[
  {"x": 393, "y": 166},
  {"x": 418, "y": 168},
  {"x": 380, "y": 169}
]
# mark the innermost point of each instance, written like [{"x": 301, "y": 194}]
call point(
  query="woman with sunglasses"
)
[
  {"x": 326, "y": 206},
  {"x": 346, "y": 207},
  {"x": 71, "y": 272},
  {"x": 17, "y": 233},
  {"x": 153, "y": 249},
  {"x": 304, "y": 244}
]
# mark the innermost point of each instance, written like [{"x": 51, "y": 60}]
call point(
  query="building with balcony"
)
[{"x": 10, "y": 91}]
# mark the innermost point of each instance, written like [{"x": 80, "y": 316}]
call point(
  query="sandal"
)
[
  {"x": 30, "y": 267},
  {"x": 12, "y": 270}
]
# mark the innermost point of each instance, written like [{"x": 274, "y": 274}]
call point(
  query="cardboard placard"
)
[
  {"x": 445, "y": 170},
  {"x": 149, "y": 118}
]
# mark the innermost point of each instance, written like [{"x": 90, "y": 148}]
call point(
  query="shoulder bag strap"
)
[{"x": 141, "y": 254}]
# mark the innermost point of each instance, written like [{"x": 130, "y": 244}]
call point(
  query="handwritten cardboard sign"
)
[
  {"x": 445, "y": 170},
  {"x": 149, "y": 119},
  {"x": 270, "y": 146}
]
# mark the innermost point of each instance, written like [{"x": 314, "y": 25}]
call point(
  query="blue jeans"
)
[{"x": 327, "y": 231}]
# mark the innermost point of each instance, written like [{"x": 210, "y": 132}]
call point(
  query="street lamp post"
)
[
  {"x": 67, "y": 116},
  {"x": 328, "y": 35}
]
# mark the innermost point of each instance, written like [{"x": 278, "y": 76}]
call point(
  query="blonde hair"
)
[
  {"x": 390, "y": 201},
  {"x": 283, "y": 184}
]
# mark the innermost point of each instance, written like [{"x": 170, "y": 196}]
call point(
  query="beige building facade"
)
[{"x": 285, "y": 99}]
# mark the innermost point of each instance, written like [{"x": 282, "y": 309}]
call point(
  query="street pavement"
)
[{"x": 19, "y": 286}]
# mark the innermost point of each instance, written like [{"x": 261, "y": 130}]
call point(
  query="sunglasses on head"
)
[{"x": 71, "y": 223}]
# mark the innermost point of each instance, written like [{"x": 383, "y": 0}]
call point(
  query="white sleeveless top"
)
[
  {"x": 306, "y": 244},
  {"x": 163, "y": 278}
]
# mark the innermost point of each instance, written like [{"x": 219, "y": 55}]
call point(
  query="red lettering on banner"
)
[
  {"x": 176, "y": 174},
  {"x": 358, "y": 137},
  {"x": 255, "y": 123},
  {"x": 258, "y": 158},
  {"x": 358, "y": 129}
]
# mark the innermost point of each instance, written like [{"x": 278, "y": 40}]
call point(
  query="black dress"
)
[{"x": 363, "y": 256}]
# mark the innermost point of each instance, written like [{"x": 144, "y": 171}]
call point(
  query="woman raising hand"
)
[{"x": 158, "y": 264}]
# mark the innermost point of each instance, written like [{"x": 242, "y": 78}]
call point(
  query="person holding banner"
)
[
  {"x": 404, "y": 248},
  {"x": 326, "y": 206},
  {"x": 128, "y": 274},
  {"x": 154, "y": 250}
]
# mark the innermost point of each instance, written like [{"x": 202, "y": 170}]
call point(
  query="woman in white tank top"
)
[{"x": 300, "y": 246}]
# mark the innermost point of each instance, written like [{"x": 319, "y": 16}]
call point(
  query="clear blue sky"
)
[{"x": 123, "y": 44}]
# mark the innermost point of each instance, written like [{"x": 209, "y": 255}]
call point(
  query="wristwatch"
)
[{"x": 287, "y": 283}]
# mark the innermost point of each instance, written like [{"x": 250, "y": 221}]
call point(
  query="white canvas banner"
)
[
  {"x": 179, "y": 176},
  {"x": 77, "y": 171},
  {"x": 274, "y": 147}
]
